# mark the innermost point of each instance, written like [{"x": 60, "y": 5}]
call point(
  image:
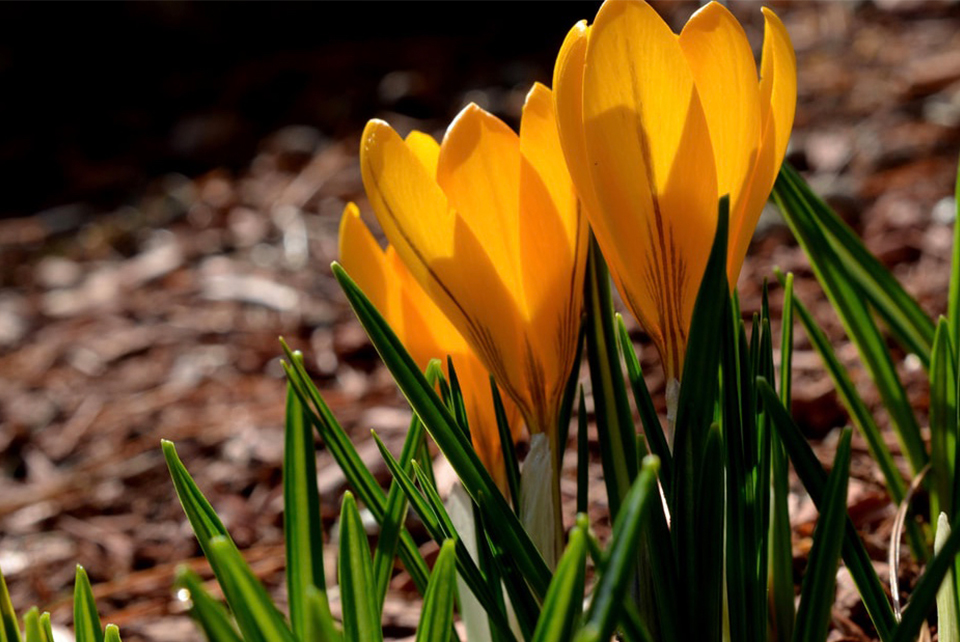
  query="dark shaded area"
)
[{"x": 101, "y": 96}]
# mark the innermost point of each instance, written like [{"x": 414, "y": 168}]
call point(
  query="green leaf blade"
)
[
  {"x": 361, "y": 621},
  {"x": 86, "y": 618},
  {"x": 814, "y": 480},
  {"x": 302, "y": 529},
  {"x": 819, "y": 582},
  {"x": 256, "y": 614},
  {"x": 449, "y": 438},
  {"x": 436, "y": 619},
  {"x": 207, "y": 612},
  {"x": 564, "y": 604},
  {"x": 621, "y": 558},
  {"x": 9, "y": 627}
]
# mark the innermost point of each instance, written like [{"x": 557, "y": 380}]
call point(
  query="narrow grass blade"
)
[
  {"x": 953, "y": 297},
  {"x": 943, "y": 420},
  {"x": 361, "y": 617},
  {"x": 862, "y": 418},
  {"x": 734, "y": 357},
  {"x": 632, "y": 627},
  {"x": 440, "y": 528},
  {"x": 394, "y": 516},
  {"x": 507, "y": 447},
  {"x": 698, "y": 395},
  {"x": 203, "y": 519},
  {"x": 803, "y": 208},
  {"x": 256, "y": 613},
  {"x": 9, "y": 627},
  {"x": 497, "y": 563},
  {"x": 86, "y": 619},
  {"x": 631, "y": 623},
  {"x": 652, "y": 430},
  {"x": 564, "y": 604},
  {"x": 31, "y": 627},
  {"x": 709, "y": 552},
  {"x": 948, "y": 616},
  {"x": 208, "y": 613},
  {"x": 786, "y": 342},
  {"x": 111, "y": 633},
  {"x": 302, "y": 529},
  {"x": 233, "y": 579},
  {"x": 347, "y": 458},
  {"x": 762, "y": 498},
  {"x": 46, "y": 626},
  {"x": 615, "y": 430},
  {"x": 437, "y": 615},
  {"x": 455, "y": 446},
  {"x": 456, "y": 399},
  {"x": 664, "y": 583},
  {"x": 320, "y": 625},
  {"x": 620, "y": 559},
  {"x": 796, "y": 201},
  {"x": 583, "y": 456},
  {"x": 494, "y": 563},
  {"x": 781, "y": 547},
  {"x": 820, "y": 579},
  {"x": 814, "y": 479},
  {"x": 569, "y": 396},
  {"x": 853, "y": 402},
  {"x": 747, "y": 449}
]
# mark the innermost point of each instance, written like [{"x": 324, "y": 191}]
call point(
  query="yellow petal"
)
[
  {"x": 778, "y": 82},
  {"x": 362, "y": 258},
  {"x": 553, "y": 242},
  {"x": 778, "y": 101},
  {"x": 435, "y": 243},
  {"x": 725, "y": 75},
  {"x": 426, "y": 149},
  {"x": 649, "y": 152},
  {"x": 568, "y": 96},
  {"x": 479, "y": 170}
]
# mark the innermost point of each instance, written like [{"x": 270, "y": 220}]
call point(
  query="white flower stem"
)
[
  {"x": 540, "y": 511},
  {"x": 461, "y": 514}
]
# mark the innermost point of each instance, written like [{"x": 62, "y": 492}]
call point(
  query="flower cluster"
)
[{"x": 644, "y": 131}]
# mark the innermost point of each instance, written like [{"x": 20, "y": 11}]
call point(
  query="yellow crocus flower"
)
[
  {"x": 656, "y": 127},
  {"x": 488, "y": 223},
  {"x": 425, "y": 332}
]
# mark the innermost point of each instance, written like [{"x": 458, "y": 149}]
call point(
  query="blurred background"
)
[{"x": 173, "y": 176}]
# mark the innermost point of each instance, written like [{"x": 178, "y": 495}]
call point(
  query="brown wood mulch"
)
[{"x": 160, "y": 320}]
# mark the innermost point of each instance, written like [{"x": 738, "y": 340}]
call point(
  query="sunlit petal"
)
[
  {"x": 436, "y": 243},
  {"x": 648, "y": 149},
  {"x": 778, "y": 101},
  {"x": 426, "y": 149},
  {"x": 568, "y": 96},
  {"x": 478, "y": 170},
  {"x": 552, "y": 232},
  {"x": 362, "y": 258},
  {"x": 778, "y": 82},
  {"x": 725, "y": 74}
]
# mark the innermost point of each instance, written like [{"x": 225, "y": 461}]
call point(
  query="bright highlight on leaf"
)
[{"x": 655, "y": 128}]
